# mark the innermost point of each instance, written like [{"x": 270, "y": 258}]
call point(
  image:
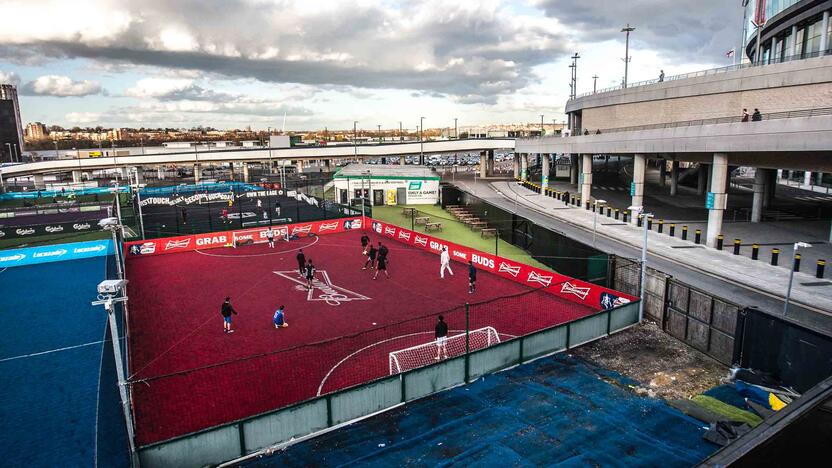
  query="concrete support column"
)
[
  {"x": 770, "y": 187},
  {"x": 402, "y": 160},
  {"x": 516, "y": 165},
  {"x": 246, "y": 173},
  {"x": 586, "y": 178},
  {"x": 76, "y": 177},
  {"x": 719, "y": 175},
  {"x": 674, "y": 178},
  {"x": 197, "y": 173},
  {"x": 759, "y": 195},
  {"x": 490, "y": 163},
  {"x": 38, "y": 180},
  {"x": 818, "y": 178},
  {"x": 702, "y": 181},
  {"x": 160, "y": 173},
  {"x": 662, "y": 173},
  {"x": 300, "y": 165},
  {"x": 824, "y": 33},
  {"x": 544, "y": 170},
  {"x": 807, "y": 178},
  {"x": 483, "y": 164},
  {"x": 524, "y": 165},
  {"x": 573, "y": 172},
  {"x": 639, "y": 168},
  {"x": 138, "y": 174}
]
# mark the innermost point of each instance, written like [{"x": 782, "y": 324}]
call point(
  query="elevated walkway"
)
[{"x": 811, "y": 302}]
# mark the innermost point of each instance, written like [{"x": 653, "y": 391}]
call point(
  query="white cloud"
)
[
  {"x": 83, "y": 118},
  {"x": 9, "y": 78},
  {"x": 60, "y": 86}
]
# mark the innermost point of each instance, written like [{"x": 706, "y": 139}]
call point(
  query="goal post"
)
[
  {"x": 421, "y": 355},
  {"x": 257, "y": 236}
]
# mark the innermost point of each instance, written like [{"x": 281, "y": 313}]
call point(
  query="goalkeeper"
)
[{"x": 441, "y": 333}]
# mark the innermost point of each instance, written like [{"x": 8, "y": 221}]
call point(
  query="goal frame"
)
[
  {"x": 394, "y": 365},
  {"x": 257, "y": 235}
]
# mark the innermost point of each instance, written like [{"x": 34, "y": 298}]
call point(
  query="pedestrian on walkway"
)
[
  {"x": 756, "y": 116},
  {"x": 745, "y": 115},
  {"x": 661, "y": 76}
]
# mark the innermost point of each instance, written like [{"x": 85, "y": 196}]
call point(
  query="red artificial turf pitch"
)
[{"x": 176, "y": 328}]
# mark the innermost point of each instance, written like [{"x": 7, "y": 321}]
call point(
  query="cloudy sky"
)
[{"x": 232, "y": 63}]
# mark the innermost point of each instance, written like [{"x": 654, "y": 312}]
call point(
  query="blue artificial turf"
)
[{"x": 58, "y": 406}]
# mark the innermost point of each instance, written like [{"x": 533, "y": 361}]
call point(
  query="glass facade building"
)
[{"x": 794, "y": 29}]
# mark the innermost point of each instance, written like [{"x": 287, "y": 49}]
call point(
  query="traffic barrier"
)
[
  {"x": 737, "y": 245},
  {"x": 649, "y": 224},
  {"x": 821, "y": 267},
  {"x": 775, "y": 256},
  {"x": 672, "y": 230},
  {"x": 639, "y": 220},
  {"x": 755, "y": 251},
  {"x": 698, "y": 236},
  {"x": 797, "y": 258},
  {"x": 661, "y": 226},
  {"x": 684, "y": 233},
  {"x": 625, "y": 215},
  {"x": 720, "y": 239},
  {"x": 616, "y": 213}
]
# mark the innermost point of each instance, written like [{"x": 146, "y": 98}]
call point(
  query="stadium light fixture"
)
[{"x": 797, "y": 245}]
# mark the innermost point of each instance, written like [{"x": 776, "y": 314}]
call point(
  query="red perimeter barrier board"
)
[{"x": 574, "y": 290}]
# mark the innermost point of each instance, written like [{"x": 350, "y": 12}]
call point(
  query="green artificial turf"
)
[{"x": 454, "y": 231}]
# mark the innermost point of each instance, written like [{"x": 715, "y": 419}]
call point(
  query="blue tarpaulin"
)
[{"x": 555, "y": 411}]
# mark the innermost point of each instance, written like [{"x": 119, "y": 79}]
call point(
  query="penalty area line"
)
[
  {"x": 279, "y": 252},
  {"x": 328, "y": 374}
]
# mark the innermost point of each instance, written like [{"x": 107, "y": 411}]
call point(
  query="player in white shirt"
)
[
  {"x": 270, "y": 237},
  {"x": 445, "y": 263}
]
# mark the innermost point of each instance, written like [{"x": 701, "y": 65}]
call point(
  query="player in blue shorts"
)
[
  {"x": 226, "y": 310},
  {"x": 279, "y": 319}
]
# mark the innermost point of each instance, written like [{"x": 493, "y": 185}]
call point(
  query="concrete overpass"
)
[
  {"x": 485, "y": 146},
  {"x": 803, "y": 143}
]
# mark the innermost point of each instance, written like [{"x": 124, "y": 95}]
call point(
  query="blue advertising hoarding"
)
[{"x": 55, "y": 253}]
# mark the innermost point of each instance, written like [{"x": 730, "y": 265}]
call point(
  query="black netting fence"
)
[
  {"x": 198, "y": 208},
  {"x": 558, "y": 252},
  {"x": 270, "y": 377}
]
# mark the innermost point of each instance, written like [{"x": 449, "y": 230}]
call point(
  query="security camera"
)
[
  {"x": 108, "y": 222},
  {"x": 111, "y": 286}
]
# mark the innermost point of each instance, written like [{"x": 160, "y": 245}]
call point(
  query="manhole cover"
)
[{"x": 818, "y": 283}]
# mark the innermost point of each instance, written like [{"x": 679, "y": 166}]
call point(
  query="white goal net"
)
[
  {"x": 421, "y": 355},
  {"x": 258, "y": 236}
]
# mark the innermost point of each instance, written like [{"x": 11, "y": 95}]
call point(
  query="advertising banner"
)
[
  {"x": 571, "y": 289},
  {"x": 55, "y": 253},
  {"x": 16, "y": 232},
  {"x": 221, "y": 239}
]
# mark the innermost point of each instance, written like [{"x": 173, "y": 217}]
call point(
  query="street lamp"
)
[
  {"x": 598, "y": 203},
  {"x": 421, "y": 141},
  {"x": 639, "y": 210},
  {"x": 541, "y": 126},
  {"x": 797, "y": 245},
  {"x": 354, "y": 139},
  {"x": 456, "y": 130},
  {"x": 379, "y": 133}
]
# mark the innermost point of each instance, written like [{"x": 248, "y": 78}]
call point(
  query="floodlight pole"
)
[
  {"x": 639, "y": 210},
  {"x": 627, "y": 30}
]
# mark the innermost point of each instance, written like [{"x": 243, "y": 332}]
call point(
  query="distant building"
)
[
  {"x": 35, "y": 131},
  {"x": 11, "y": 129}
]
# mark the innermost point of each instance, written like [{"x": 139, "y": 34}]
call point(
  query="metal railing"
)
[
  {"x": 708, "y": 72},
  {"x": 716, "y": 120}
]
